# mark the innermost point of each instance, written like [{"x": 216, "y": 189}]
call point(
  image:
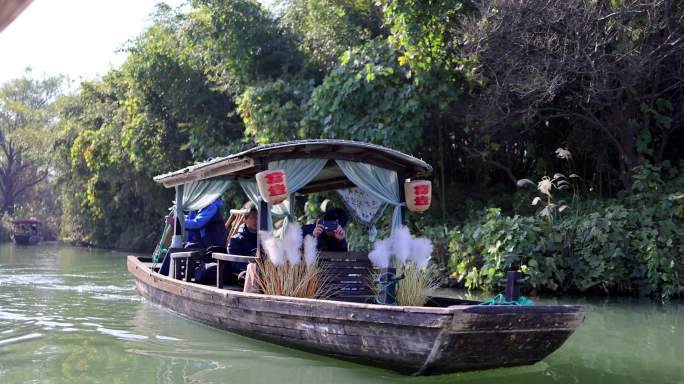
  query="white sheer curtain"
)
[
  {"x": 299, "y": 173},
  {"x": 199, "y": 194},
  {"x": 379, "y": 182},
  {"x": 252, "y": 191},
  {"x": 367, "y": 208}
]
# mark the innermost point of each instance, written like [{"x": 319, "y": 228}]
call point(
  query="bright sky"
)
[{"x": 78, "y": 38}]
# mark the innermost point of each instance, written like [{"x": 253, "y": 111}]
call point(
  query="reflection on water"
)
[{"x": 72, "y": 315}]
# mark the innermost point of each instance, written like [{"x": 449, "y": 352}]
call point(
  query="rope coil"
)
[
  {"x": 160, "y": 250},
  {"x": 389, "y": 280}
]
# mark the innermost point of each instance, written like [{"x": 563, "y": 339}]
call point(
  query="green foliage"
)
[
  {"x": 631, "y": 244},
  {"x": 368, "y": 97},
  {"x": 425, "y": 31},
  {"x": 272, "y": 112},
  {"x": 26, "y": 131},
  {"x": 325, "y": 29},
  {"x": 485, "y": 250},
  {"x": 105, "y": 201},
  {"x": 228, "y": 74},
  {"x": 240, "y": 43}
]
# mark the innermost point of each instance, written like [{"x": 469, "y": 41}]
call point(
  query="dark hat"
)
[{"x": 338, "y": 214}]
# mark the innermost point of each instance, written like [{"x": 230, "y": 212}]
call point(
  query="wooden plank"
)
[
  {"x": 219, "y": 168},
  {"x": 361, "y": 256},
  {"x": 347, "y": 264},
  {"x": 326, "y": 185},
  {"x": 180, "y": 255},
  {"x": 235, "y": 258}
]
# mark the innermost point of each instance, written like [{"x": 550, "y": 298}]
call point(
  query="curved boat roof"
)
[{"x": 248, "y": 163}]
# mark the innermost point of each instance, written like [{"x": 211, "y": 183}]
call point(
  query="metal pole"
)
[{"x": 179, "y": 220}]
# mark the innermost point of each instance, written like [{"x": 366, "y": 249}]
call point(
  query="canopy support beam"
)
[
  {"x": 179, "y": 219},
  {"x": 262, "y": 224}
]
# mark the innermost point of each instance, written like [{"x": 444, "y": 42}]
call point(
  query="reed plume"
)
[
  {"x": 411, "y": 256},
  {"x": 283, "y": 273}
]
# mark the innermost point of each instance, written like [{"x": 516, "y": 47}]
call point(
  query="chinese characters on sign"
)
[
  {"x": 418, "y": 195},
  {"x": 272, "y": 186}
]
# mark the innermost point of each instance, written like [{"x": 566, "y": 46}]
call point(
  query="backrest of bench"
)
[{"x": 347, "y": 275}]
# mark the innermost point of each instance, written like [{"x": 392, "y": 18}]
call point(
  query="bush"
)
[
  {"x": 634, "y": 243},
  {"x": 482, "y": 252}
]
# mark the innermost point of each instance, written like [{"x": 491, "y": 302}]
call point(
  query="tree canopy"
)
[{"x": 485, "y": 91}]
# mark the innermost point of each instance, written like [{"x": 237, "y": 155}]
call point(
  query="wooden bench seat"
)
[
  {"x": 347, "y": 276},
  {"x": 222, "y": 260},
  {"x": 183, "y": 264}
]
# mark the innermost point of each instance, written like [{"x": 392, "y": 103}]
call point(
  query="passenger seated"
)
[
  {"x": 329, "y": 239},
  {"x": 205, "y": 229},
  {"x": 244, "y": 243}
]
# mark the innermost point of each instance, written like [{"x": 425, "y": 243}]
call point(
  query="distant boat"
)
[{"x": 26, "y": 231}]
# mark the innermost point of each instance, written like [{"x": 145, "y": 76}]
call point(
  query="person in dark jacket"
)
[
  {"x": 205, "y": 227},
  {"x": 330, "y": 240},
  {"x": 244, "y": 242}
]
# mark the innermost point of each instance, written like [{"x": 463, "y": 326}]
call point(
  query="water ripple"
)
[{"x": 18, "y": 339}]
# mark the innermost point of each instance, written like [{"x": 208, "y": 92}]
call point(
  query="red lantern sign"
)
[
  {"x": 418, "y": 195},
  {"x": 272, "y": 185}
]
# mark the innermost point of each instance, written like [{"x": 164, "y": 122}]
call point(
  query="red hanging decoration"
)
[
  {"x": 272, "y": 185},
  {"x": 418, "y": 195}
]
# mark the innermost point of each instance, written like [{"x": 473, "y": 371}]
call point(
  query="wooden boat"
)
[
  {"x": 26, "y": 231},
  {"x": 447, "y": 335},
  {"x": 458, "y": 336}
]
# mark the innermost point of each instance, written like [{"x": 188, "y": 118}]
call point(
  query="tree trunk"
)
[{"x": 626, "y": 133}]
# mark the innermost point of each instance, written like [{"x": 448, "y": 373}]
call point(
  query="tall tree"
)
[
  {"x": 613, "y": 69},
  {"x": 25, "y": 127}
]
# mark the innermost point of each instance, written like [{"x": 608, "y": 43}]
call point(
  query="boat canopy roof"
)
[{"x": 247, "y": 164}]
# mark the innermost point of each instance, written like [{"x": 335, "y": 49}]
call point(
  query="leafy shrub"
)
[
  {"x": 634, "y": 243},
  {"x": 482, "y": 252}
]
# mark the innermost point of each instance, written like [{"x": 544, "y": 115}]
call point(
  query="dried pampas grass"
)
[
  {"x": 283, "y": 274},
  {"x": 292, "y": 243},
  {"x": 411, "y": 258},
  {"x": 401, "y": 244},
  {"x": 310, "y": 250},
  {"x": 381, "y": 253},
  {"x": 273, "y": 248},
  {"x": 416, "y": 287},
  {"x": 421, "y": 250}
]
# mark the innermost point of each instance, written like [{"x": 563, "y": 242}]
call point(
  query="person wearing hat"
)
[{"x": 330, "y": 231}]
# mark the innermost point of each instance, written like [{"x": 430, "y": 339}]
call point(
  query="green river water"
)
[{"x": 72, "y": 315}]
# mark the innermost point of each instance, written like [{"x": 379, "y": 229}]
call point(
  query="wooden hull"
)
[
  {"x": 24, "y": 239},
  {"x": 410, "y": 340}
]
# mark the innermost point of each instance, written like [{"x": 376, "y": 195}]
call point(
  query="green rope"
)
[
  {"x": 160, "y": 250},
  {"x": 390, "y": 280},
  {"x": 500, "y": 300}
]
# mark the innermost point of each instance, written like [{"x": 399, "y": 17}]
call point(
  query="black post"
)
[
  {"x": 262, "y": 223},
  {"x": 514, "y": 282},
  {"x": 402, "y": 196}
]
